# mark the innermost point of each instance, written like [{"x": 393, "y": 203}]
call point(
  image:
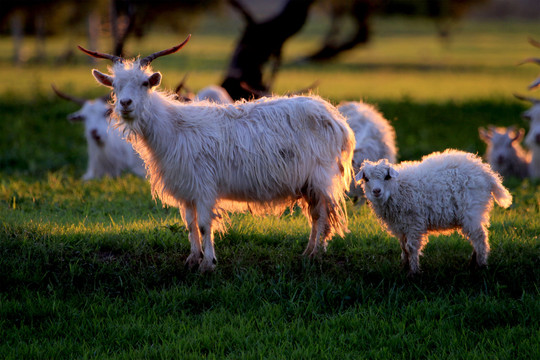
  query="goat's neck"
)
[{"x": 156, "y": 119}]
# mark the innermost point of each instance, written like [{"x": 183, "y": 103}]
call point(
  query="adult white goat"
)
[
  {"x": 108, "y": 153},
  {"x": 504, "y": 152},
  {"x": 264, "y": 155},
  {"x": 532, "y": 139},
  {"x": 375, "y": 137},
  {"x": 446, "y": 191}
]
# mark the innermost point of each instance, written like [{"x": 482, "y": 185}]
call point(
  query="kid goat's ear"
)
[
  {"x": 154, "y": 79},
  {"x": 102, "y": 78}
]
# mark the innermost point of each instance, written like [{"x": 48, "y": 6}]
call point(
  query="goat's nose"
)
[
  {"x": 125, "y": 102},
  {"x": 95, "y": 135},
  {"x": 376, "y": 191}
]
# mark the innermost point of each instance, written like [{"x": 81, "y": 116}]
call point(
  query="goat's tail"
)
[{"x": 501, "y": 194}]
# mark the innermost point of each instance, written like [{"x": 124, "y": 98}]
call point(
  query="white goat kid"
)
[
  {"x": 108, "y": 153},
  {"x": 375, "y": 137},
  {"x": 532, "y": 139},
  {"x": 264, "y": 155},
  {"x": 504, "y": 152},
  {"x": 446, "y": 191}
]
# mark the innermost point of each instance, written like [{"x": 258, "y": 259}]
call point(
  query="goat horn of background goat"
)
[
  {"x": 148, "y": 59},
  {"x": 65, "y": 96},
  {"x": 527, "y": 98}
]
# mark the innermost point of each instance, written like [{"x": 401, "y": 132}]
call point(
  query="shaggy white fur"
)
[
  {"x": 532, "y": 140},
  {"x": 108, "y": 153},
  {"x": 204, "y": 157},
  {"x": 445, "y": 191},
  {"x": 504, "y": 152},
  {"x": 375, "y": 137}
]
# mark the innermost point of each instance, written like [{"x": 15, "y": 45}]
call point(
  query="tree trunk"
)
[{"x": 260, "y": 43}]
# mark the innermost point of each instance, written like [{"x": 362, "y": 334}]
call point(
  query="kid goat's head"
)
[
  {"x": 377, "y": 179},
  {"x": 131, "y": 80}
]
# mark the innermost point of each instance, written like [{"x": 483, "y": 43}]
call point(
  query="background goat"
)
[
  {"x": 108, "y": 153},
  {"x": 263, "y": 155},
  {"x": 504, "y": 152},
  {"x": 532, "y": 139},
  {"x": 375, "y": 138}
]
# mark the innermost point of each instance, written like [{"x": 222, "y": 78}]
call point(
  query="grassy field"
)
[{"x": 94, "y": 270}]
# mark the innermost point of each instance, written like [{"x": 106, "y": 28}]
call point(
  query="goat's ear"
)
[
  {"x": 518, "y": 135},
  {"x": 393, "y": 172},
  {"x": 102, "y": 78},
  {"x": 484, "y": 134},
  {"x": 75, "y": 117},
  {"x": 154, "y": 80}
]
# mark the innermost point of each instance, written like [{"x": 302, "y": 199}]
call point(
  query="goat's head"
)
[
  {"x": 532, "y": 115},
  {"x": 377, "y": 180},
  {"x": 94, "y": 114},
  {"x": 502, "y": 143},
  {"x": 131, "y": 80}
]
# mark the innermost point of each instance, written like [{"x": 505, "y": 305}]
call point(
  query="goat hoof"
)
[
  {"x": 207, "y": 265},
  {"x": 193, "y": 260}
]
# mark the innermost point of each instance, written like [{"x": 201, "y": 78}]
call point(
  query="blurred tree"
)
[
  {"x": 337, "y": 39},
  {"x": 135, "y": 17},
  {"x": 261, "y": 42}
]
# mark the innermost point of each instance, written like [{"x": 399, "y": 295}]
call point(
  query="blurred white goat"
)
[
  {"x": 108, "y": 153},
  {"x": 532, "y": 139},
  {"x": 375, "y": 138},
  {"x": 261, "y": 155},
  {"x": 504, "y": 152},
  {"x": 213, "y": 93}
]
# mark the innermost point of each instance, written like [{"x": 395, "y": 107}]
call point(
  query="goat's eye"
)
[
  {"x": 108, "y": 113},
  {"x": 145, "y": 83},
  {"x": 387, "y": 177},
  {"x": 364, "y": 177}
]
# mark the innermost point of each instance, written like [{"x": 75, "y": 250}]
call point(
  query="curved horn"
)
[
  {"x": 99, "y": 55},
  {"x": 534, "y": 42},
  {"x": 534, "y": 84},
  {"x": 527, "y": 98},
  {"x": 64, "y": 96},
  {"x": 530, "y": 60},
  {"x": 182, "y": 85},
  {"x": 148, "y": 59}
]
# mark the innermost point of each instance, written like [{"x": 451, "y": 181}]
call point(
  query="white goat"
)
[
  {"x": 446, "y": 191},
  {"x": 213, "y": 93},
  {"x": 532, "y": 140},
  {"x": 375, "y": 137},
  {"x": 108, "y": 153},
  {"x": 263, "y": 155},
  {"x": 504, "y": 152}
]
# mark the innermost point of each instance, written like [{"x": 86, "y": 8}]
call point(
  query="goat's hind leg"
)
[
  {"x": 205, "y": 220},
  {"x": 478, "y": 237},
  {"x": 194, "y": 236}
]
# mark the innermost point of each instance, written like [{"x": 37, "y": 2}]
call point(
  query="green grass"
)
[{"x": 95, "y": 269}]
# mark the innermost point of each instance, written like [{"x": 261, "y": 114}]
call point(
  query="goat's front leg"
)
[
  {"x": 194, "y": 236},
  {"x": 205, "y": 219}
]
